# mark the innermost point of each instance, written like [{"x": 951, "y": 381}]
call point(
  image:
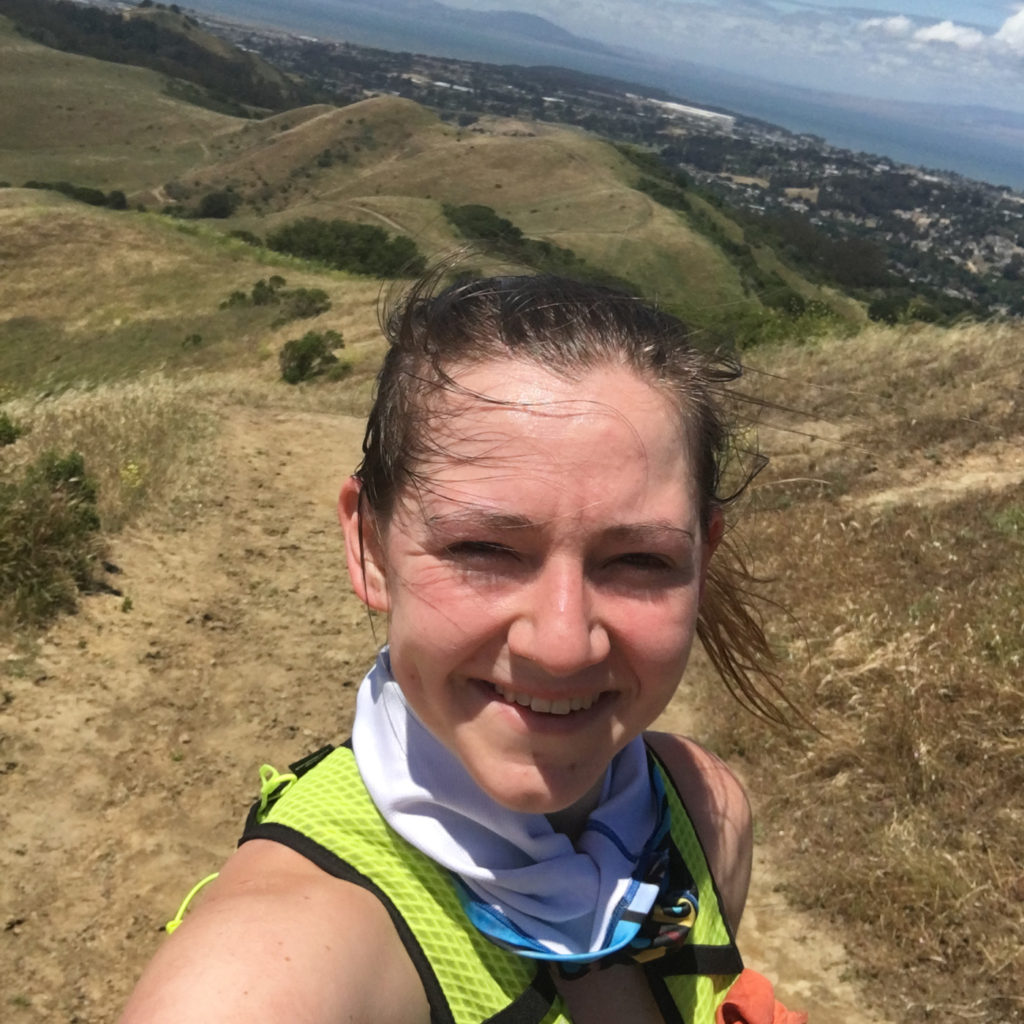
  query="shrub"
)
[
  {"x": 9, "y": 430},
  {"x": 48, "y": 537},
  {"x": 82, "y": 193},
  {"x": 219, "y": 204},
  {"x": 264, "y": 293},
  {"x": 302, "y": 303},
  {"x": 308, "y": 356},
  {"x": 296, "y": 304},
  {"x": 245, "y": 236},
  {"x": 482, "y": 223}
]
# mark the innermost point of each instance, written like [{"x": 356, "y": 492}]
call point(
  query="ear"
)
[
  {"x": 715, "y": 531},
  {"x": 363, "y": 550}
]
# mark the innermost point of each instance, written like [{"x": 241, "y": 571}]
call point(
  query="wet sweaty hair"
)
[{"x": 570, "y": 328}]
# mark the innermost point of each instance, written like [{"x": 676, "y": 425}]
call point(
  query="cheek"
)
[
  {"x": 433, "y": 609},
  {"x": 660, "y": 634}
]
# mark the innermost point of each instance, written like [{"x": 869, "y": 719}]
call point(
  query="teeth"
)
[{"x": 543, "y": 705}]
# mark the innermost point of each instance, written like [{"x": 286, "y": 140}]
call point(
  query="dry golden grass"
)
[
  {"x": 141, "y": 440},
  {"x": 94, "y": 295},
  {"x": 903, "y": 637}
]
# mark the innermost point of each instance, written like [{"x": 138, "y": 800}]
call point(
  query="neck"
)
[{"x": 571, "y": 820}]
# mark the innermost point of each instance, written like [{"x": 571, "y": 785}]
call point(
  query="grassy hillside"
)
[
  {"x": 384, "y": 161},
  {"x": 389, "y": 161},
  {"x": 891, "y": 526},
  {"x": 93, "y": 295},
  {"x": 197, "y": 64},
  {"x": 65, "y": 117}
]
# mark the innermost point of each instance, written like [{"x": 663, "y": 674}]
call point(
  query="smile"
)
[{"x": 545, "y": 706}]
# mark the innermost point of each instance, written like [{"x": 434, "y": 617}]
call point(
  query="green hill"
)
[
  {"x": 164, "y": 39},
  {"x": 67, "y": 117}
]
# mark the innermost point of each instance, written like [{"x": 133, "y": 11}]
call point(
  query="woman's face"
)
[{"x": 543, "y": 579}]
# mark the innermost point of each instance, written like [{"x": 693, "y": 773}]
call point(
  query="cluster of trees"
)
[
  {"x": 219, "y": 204},
  {"x": 482, "y": 225},
  {"x": 150, "y": 43},
  {"x": 294, "y": 303},
  {"x": 850, "y": 262},
  {"x": 358, "y": 248},
  {"x": 10, "y": 430},
  {"x": 671, "y": 196},
  {"x": 114, "y": 200},
  {"x": 875, "y": 195}
]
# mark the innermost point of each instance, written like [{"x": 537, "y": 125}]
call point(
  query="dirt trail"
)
[{"x": 129, "y": 743}]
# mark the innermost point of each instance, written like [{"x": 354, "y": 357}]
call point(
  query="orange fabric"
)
[{"x": 751, "y": 1000}]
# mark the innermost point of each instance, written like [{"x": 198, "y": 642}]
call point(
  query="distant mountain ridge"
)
[{"x": 518, "y": 23}]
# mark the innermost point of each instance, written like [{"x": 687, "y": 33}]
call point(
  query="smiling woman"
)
[{"x": 537, "y": 514}]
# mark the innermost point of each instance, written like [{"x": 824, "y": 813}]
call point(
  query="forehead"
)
[{"x": 604, "y": 431}]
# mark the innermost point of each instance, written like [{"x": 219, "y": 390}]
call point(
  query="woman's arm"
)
[
  {"x": 720, "y": 813},
  {"x": 279, "y": 941}
]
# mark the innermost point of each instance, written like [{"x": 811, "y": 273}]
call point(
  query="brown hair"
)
[{"x": 569, "y": 328}]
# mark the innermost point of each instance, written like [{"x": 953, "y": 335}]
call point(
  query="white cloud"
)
[
  {"x": 815, "y": 45},
  {"x": 1011, "y": 34},
  {"x": 900, "y": 25},
  {"x": 948, "y": 32}
]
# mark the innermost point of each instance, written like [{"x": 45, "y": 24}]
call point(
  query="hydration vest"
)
[{"x": 321, "y": 809}]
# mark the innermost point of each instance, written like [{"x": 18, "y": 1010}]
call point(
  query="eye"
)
[
  {"x": 644, "y": 561},
  {"x": 479, "y": 549}
]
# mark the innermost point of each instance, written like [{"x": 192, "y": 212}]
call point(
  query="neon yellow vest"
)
[{"x": 327, "y": 815}]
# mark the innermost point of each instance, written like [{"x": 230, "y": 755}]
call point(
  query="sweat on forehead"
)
[
  {"x": 508, "y": 417},
  {"x": 566, "y": 327}
]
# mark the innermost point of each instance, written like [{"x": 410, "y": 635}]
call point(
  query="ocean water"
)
[{"x": 971, "y": 151}]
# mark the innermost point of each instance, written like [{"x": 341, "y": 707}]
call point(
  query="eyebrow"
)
[
  {"x": 479, "y": 518},
  {"x": 475, "y": 517}
]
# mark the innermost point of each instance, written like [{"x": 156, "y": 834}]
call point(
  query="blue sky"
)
[{"x": 949, "y": 51}]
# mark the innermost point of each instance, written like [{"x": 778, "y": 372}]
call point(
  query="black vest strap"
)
[
  {"x": 696, "y": 960},
  {"x": 532, "y": 1006}
]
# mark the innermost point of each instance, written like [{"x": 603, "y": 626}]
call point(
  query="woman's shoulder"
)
[
  {"x": 276, "y": 939},
  {"x": 718, "y": 807}
]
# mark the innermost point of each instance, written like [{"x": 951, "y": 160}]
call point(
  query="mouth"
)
[{"x": 544, "y": 706}]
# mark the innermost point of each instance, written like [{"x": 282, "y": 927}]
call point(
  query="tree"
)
[
  {"x": 306, "y": 357},
  {"x": 219, "y": 204}
]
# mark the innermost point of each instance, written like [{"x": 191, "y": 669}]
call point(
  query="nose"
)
[{"x": 555, "y": 625}]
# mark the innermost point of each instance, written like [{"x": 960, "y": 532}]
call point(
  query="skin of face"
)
[{"x": 549, "y": 558}]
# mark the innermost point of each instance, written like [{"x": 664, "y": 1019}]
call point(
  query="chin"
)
[{"x": 543, "y": 795}]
